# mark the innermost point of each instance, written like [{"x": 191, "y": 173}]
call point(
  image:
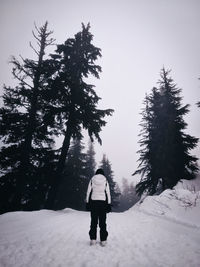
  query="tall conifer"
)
[
  {"x": 24, "y": 132},
  {"x": 165, "y": 147},
  {"x": 76, "y": 103}
]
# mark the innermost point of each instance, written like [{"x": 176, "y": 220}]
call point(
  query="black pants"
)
[{"x": 98, "y": 215}]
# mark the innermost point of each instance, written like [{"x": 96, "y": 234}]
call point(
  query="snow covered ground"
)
[
  {"x": 161, "y": 231},
  {"x": 178, "y": 205}
]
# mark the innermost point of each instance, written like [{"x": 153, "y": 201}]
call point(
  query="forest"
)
[{"x": 52, "y": 99}]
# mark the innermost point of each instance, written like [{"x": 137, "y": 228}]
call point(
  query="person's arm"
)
[
  {"x": 88, "y": 191},
  {"x": 108, "y": 193}
]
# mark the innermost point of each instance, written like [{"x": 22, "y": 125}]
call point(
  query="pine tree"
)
[
  {"x": 90, "y": 160},
  {"x": 72, "y": 190},
  {"x": 24, "y": 131},
  {"x": 77, "y": 100},
  {"x": 150, "y": 143},
  {"x": 107, "y": 168},
  {"x": 165, "y": 147}
]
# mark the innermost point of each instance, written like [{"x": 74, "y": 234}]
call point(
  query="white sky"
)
[{"x": 137, "y": 38}]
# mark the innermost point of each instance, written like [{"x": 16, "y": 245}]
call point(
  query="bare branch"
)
[
  {"x": 39, "y": 32},
  {"x": 35, "y": 36},
  {"x": 50, "y": 41},
  {"x": 39, "y": 44},
  {"x": 22, "y": 69},
  {"x": 33, "y": 49},
  {"x": 21, "y": 79}
]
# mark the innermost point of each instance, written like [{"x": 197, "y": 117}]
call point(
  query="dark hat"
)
[{"x": 100, "y": 171}]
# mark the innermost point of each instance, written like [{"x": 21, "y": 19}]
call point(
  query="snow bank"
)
[
  {"x": 191, "y": 185},
  {"x": 182, "y": 204}
]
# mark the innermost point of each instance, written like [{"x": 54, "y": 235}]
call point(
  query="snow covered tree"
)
[
  {"x": 106, "y": 166},
  {"x": 165, "y": 149},
  {"x": 77, "y": 101},
  {"x": 72, "y": 189},
  {"x": 24, "y": 130}
]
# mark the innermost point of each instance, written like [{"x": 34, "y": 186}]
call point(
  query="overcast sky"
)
[{"x": 137, "y": 39}]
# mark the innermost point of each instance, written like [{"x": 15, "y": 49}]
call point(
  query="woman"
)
[{"x": 98, "y": 201}]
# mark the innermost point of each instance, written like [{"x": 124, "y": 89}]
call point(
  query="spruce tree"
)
[
  {"x": 149, "y": 143},
  {"x": 76, "y": 104},
  {"x": 24, "y": 131},
  {"x": 165, "y": 154},
  {"x": 107, "y": 168}
]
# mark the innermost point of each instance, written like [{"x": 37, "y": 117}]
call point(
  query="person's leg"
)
[
  {"x": 102, "y": 225},
  {"x": 93, "y": 225}
]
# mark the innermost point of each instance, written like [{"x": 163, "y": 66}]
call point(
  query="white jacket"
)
[{"x": 98, "y": 184}]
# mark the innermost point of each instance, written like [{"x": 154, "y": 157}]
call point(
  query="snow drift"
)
[{"x": 182, "y": 204}]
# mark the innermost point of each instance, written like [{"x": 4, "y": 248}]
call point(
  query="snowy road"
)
[{"x": 60, "y": 239}]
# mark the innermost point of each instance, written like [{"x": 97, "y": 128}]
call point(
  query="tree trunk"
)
[
  {"x": 64, "y": 151},
  {"x": 50, "y": 204}
]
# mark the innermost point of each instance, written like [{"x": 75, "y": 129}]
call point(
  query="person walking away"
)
[{"x": 98, "y": 202}]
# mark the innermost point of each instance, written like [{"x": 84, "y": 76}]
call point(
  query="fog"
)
[{"x": 137, "y": 39}]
